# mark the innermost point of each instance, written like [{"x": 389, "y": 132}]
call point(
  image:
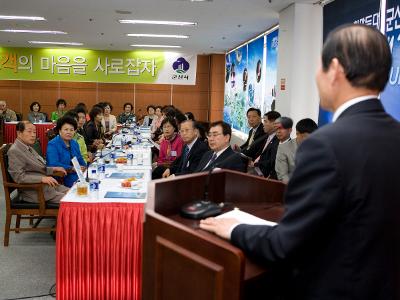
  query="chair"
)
[
  {"x": 19, "y": 116},
  {"x": 16, "y": 206}
]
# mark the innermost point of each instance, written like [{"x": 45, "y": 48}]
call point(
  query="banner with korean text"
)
[{"x": 156, "y": 67}]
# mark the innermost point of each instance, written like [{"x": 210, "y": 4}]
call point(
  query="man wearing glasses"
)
[{"x": 221, "y": 154}]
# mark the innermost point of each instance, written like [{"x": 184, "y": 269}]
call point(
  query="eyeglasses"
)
[{"x": 213, "y": 134}]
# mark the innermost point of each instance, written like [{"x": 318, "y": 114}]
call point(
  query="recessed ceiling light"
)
[
  {"x": 155, "y": 46},
  {"x": 32, "y": 31},
  {"x": 176, "y": 23},
  {"x": 175, "y": 36},
  {"x": 2, "y": 17},
  {"x": 56, "y": 43}
]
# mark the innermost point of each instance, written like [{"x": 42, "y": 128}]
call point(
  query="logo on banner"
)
[{"x": 180, "y": 66}]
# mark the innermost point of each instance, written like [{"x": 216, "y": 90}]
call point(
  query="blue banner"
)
[{"x": 271, "y": 67}]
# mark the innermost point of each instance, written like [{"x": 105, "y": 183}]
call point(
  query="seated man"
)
[
  {"x": 25, "y": 165},
  {"x": 256, "y": 131},
  {"x": 192, "y": 151},
  {"x": 284, "y": 164},
  {"x": 6, "y": 114},
  {"x": 221, "y": 154}
]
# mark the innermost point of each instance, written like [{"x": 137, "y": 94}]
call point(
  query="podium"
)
[{"x": 182, "y": 261}]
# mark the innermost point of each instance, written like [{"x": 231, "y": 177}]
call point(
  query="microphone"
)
[{"x": 204, "y": 208}]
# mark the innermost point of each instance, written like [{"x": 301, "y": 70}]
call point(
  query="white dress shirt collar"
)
[{"x": 349, "y": 103}]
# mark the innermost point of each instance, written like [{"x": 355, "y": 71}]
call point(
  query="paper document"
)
[{"x": 246, "y": 218}]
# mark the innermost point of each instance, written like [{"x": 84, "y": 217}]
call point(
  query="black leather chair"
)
[{"x": 16, "y": 206}]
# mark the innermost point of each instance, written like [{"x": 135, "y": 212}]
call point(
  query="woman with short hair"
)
[
  {"x": 35, "y": 116},
  {"x": 61, "y": 104}
]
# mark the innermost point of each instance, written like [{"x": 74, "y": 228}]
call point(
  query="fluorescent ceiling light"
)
[
  {"x": 176, "y": 23},
  {"x": 55, "y": 43},
  {"x": 155, "y": 46},
  {"x": 22, "y": 18},
  {"x": 33, "y": 31},
  {"x": 175, "y": 36}
]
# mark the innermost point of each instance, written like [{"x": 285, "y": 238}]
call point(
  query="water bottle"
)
[
  {"x": 94, "y": 184},
  {"x": 112, "y": 157},
  {"x": 101, "y": 168},
  {"x": 129, "y": 156}
]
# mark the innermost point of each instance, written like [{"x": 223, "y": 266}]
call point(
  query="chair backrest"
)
[
  {"x": 37, "y": 147},
  {"x": 4, "y": 164},
  {"x": 47, "y": 116},
  {"x": 19, "y": 116}
]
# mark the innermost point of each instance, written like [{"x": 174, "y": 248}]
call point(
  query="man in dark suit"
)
[
  {"x": 256, "y": 131},
  {"x": 192, "y": 152},
  {"x": 264, "y": 150},
  {"x": 339, "y": 234},
  {"x": 221, "y": 154}
]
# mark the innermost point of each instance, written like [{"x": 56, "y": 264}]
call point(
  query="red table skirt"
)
[
  {"x": 99, "y": 251},
  {"x": 10, "y": 134}
]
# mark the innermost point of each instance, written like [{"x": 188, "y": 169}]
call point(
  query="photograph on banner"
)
[
  {"x": 256, "y": 75},
  {"x": 271, "y": 70},
  {"x": 236, "y": 87},
  {"x": 390, "y": 97},
  {"x": 81, "y": 65}
]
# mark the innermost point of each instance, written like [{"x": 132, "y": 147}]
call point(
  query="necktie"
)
[
  {"x": 251, "y": 140},
  {"x": 265, "y": 147},
  {"x": 184, "y": 156},
  {"x": 213, "y": 158}
]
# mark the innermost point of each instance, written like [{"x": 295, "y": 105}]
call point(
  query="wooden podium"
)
[{"x": 181, "y": 261}]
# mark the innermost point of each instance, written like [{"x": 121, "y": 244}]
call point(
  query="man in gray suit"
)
[
  {"x": 285, "y": 157},
  {"x": 25, "y": 165}
]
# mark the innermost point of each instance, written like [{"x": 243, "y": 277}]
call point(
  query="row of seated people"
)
[{"x": 269, "y": 145}]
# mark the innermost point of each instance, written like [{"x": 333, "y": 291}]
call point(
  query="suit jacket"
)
[
  {"x": 267, "y": 159},
  {"x": 193, "y": 159},
  {"x": 259, "y": 133},
  {"x": 284, "y": 163},
  {"x": 25, "y": 165},
  {"x": 228, "y": 159},
  {"x": 339, "y": 234}
]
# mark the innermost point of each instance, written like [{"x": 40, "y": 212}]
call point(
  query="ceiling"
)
[{"x": 222, "y": 24}]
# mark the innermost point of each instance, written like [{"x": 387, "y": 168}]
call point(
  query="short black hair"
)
[
  {"x": 226, "y": 128},
  {"x": 150, "y": 106},
  {"x": 306, "y": 126},
  {"x": 21, "y": 125},
  {"x": 190, "y": 116},
  {"x": 81, "y": 110},
  {"x": 180, "y": 117},
  {"x": 170, "y": 121},
  {"x": 66, "y": 120},
  {"x": 33, "y": 104},
  {"x": 81, "y": 105},
  {"x": 258, "y": 111},
  {"x": 194, "y": 123},
  {"x": 363, "y": 52},
  {"x": 72, "y": 113},
  {"x": 128, "y": 103},
  {"x": 107, "y": 104},
  {"x": 272, "y": 115},
  {"x": 96, "y": 110},
  {"x": 61, "y": 101}
]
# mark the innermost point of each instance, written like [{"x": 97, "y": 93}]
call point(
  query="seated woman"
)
[
  {"x": 94, "y": 131},
  {"x": 155, "y": 125},
  {"x": 127, "y": 115},
  {"x": 35, "y": 116},
  {"x": 61, "y": 104},
  {"x": 170, "y": 147},
  {"x": 151, "y": 116},
  {"x": 63, "y": 148},
  {"x": 109, "y": 121}
]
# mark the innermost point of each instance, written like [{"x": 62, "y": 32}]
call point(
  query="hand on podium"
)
[{"x": 221, "y": 226}]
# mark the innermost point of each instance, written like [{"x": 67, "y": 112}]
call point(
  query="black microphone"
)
[{"x": 204, "y": 208}]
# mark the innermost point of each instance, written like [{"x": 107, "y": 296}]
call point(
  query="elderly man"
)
[
  {"x": 6, "y": 114},
  {"x": 221, "y": 154},
  {"x": 339, "y": 234},
  {"x": 285, "y": 163},
  {"x": 192, "y": 152},
  {"x": 27, "y": 166}
]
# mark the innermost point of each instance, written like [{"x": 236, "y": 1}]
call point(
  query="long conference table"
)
[
  {"x": 10, "y": 133},
  {"x": 99, "y": 236}
]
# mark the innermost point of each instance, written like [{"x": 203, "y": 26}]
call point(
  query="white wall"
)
[{"x": 300, "y": 44}]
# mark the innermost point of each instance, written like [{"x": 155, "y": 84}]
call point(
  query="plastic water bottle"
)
[
  {"x": 94, "y": 184},
  {"x": 112, "y": 156},
  {"x": 101, "y": 168},
  {"x": 129, "y": 156}
]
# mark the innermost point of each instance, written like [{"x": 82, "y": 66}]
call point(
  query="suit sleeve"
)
[
  {"x": 312, "y": 204},
  {"x": 17, "y": 170},
  {"x": 281, "y": 165}
]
